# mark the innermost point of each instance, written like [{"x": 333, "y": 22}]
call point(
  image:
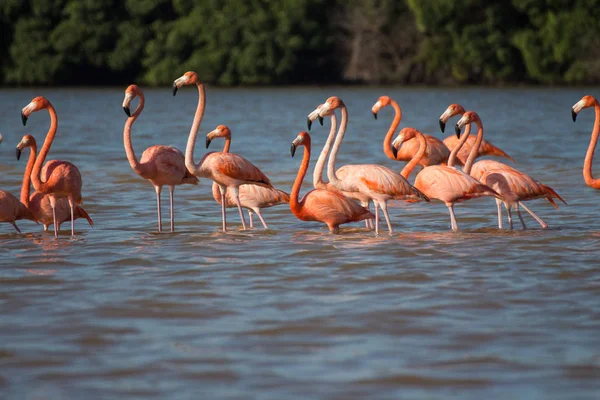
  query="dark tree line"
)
[{"x": 253, "y": 42}]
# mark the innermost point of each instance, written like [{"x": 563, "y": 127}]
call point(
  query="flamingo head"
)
[
  {"x": 26, "y": 141},
  {"x": 404, "y": 135},
  {"x": 219, "y": 131},
  {"x": 382, "y": 102},
  {"x": 314, "y": 115},
  {"x": 451, "y": 111},
  {"x": 303, "y": 139},
  {"x": 189, "y": 78},
  {"x": 585, "y": 102},
  {"x": 37, "y": 104},
  {"x": 130, "y": 93},
  {"x": 467, "y": 118},
  {"x": 330, "y": 105}
]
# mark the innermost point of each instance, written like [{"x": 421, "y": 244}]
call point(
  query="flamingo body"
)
[
  {"x": 485, "y": 148},
  {"x": 450, "y": 185},
  {"x": 62, "y": 179},
  {"x": 41, "y": 210},
  {"x": 437, "y": 152},
  {"x": 11, "y": 209},
  {"x": 166, "y": 166}
]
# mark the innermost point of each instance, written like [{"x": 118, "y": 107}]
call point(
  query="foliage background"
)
[{"x": 256, "y": 42}]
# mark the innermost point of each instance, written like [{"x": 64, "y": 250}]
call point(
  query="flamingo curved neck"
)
[
  {"x": 139, "y": 168},
  {"x": 189, "y": 150},
  {"x": 589, "y": 156},
  {"x": 295, "y": 205},
  {"x": 408, "y": 168},
  {"x": 331, "y": 174},
  {"x": 461, "y": 142},
  {"x": 475, "y": 148},
  {"x": 318, "y": 172},
  {"x": 227, "y": 144},
  {"x": 387, "y": 142},
  {"x": 26, "y": 187},
  {"x": 37, "y": 167}
]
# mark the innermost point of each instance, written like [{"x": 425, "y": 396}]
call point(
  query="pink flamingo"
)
[
  {"x": 485, "y": 148},
  {"x": 585, "y": 102},
  {"x": 228, "y": 170},
  {"x": 321, "y": 205},
  {"x": 379, "y": 183},
  {"x": 436, "y": 152},
  {"x": 11, "y": 209},
  {"x": 441, "y": 182},
  {"x": 39, "y": 204},
  {"x": 58, "y": 179},
  {"x": 252, "y": 197},
  {"x": 318, "y": 182},
  {"x": 514, "y": 186},
  {"x": 161, "y": 165}
]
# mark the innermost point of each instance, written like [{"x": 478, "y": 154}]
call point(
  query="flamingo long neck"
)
[
  {"x": 408, "y": 168},
  {"x": 37, "y": 167},
  {"x": 26, "y": 187},
  {"x": 331, "y": 175},
  {"x": 387, "y": 142},
  {"x": 318, "y": 172},
  {"x": 139, "y": 168},
  {"x": 461, "y": 142},
  {"x": 189, "y": 150},
  {"x": 475, "y": 148},
  {"x": 227, "y": 144},
  {"x": 295, "y": 205},
  {"x": 589, "y": 156}
]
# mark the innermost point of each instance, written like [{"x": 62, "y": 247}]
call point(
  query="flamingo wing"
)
[
  {"x": 326, "y": 206},
  {"x": 450, "y": 185}
]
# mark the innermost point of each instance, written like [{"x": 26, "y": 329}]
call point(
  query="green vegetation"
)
[{"x": 249, "y": 42}]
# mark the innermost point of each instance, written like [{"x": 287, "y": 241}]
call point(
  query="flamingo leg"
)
[
  {"x": 368, "y": 222},
  {"x": 452, "y": 218},
  {"x": 53, "y": 205},
  {"x": 222, "y": 189},
  {"x": 261, "y": 219},
  {"x": 376, "y": 219},
  {"x": 250, "y": 213},
  {"x": 72, "y": 206},
  {"x": 16, "y": 227},
  {"x": 520, "y": 216},
  {"x": 499, "y": 205},
  {"x": 538, "y": 219},
  {"x": 383, "y": 206},
  {"x": 508, "y": 210},
  {"x": 158, "y": 189},
  {"x": 236, "y": 196},
  {"x": 45, "y": 228},
  {"x": 171, "y": 191}
]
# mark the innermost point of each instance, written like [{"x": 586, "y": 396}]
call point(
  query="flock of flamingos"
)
[{"x": 345, "y": 198}]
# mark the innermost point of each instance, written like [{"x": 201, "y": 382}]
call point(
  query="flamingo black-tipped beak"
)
[
  {"x": 308, "y": 123},
  {"x": 457, "y": 131},
  {"x": 175, "y": 88},
  {"x": 293, "y": 149},
  {"x": 18, "y": 154},
  {"x": 321, "y": 120},
  {"x": 208, "y": 140},
  {"x": 23, "y": 118},
  {"x": 394, "y": 151},
  {"x": 375, "y": 115},
  {"x": 442, "y": 126},
  {"x": 126, "y": 109},
  {"x": 574, "y": 115}
]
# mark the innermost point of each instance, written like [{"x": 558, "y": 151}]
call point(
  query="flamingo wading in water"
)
[
  {"x": 377, "y": 182},
  {"x": 585, "y": 102},
  {"x": 228, "y": 170},
  {"x": 321, "y": 205},
  {"x": 161, "y": 165},
  {"x": 38, "y": 203},
  {"x": 252, "y": 197},
  {"x": 58, "y": 179}
]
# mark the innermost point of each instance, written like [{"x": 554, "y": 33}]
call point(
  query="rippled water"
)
[{"x": 294, "y": 312}]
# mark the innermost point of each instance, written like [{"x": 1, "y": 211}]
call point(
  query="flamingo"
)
[
  {"x": 485, "y": 149},
  {"x": 436, "y": 152},
  {"x": 39, "y": 204},
  {"x": 252, "y": 197},
  {"x": 585, "y": 102},
  {"x": 513, "y": 185},
  {"x": 58, "y": 179},
  {"x": 318, "y": 182},
  {"x": 377, "y": 182},
  {"x": 161, "y": 165},
  {"x": 321, "y": 205},
  {"x": 443, "y": 182}
]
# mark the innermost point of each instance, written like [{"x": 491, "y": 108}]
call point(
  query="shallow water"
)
[{"x": 294, "y": 312}]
